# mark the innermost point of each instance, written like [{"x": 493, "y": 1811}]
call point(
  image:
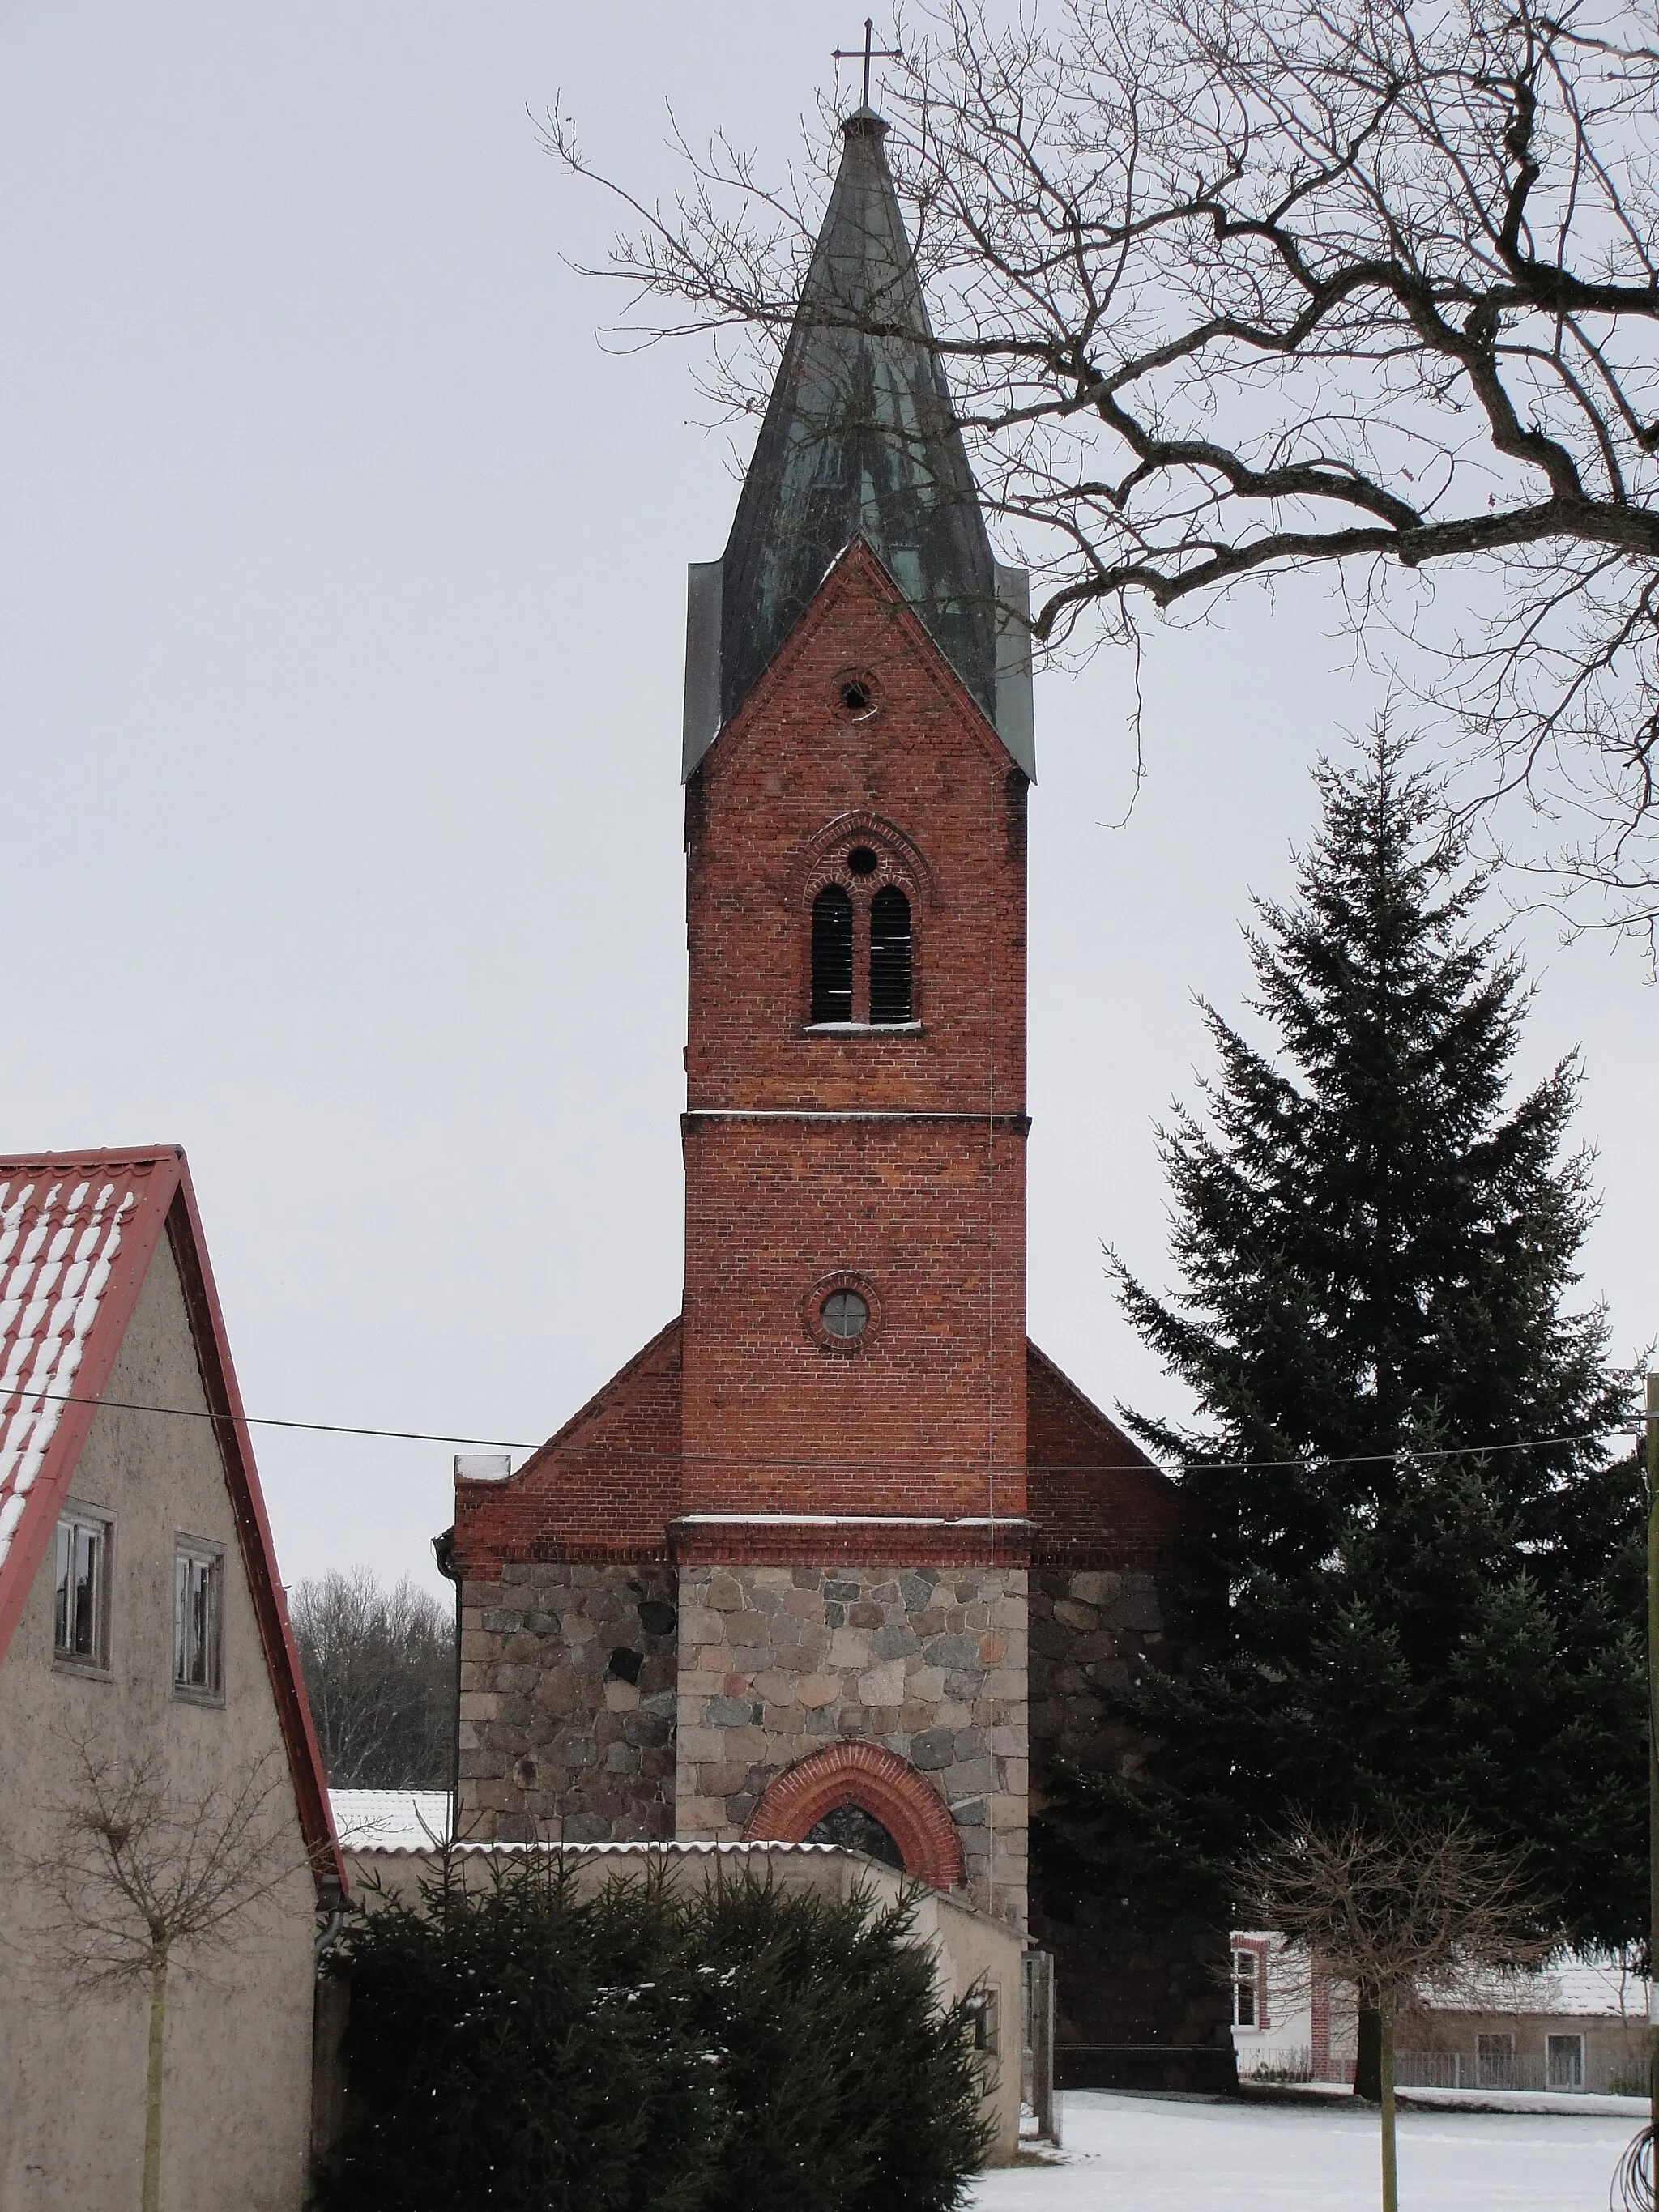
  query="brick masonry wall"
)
[
  {"x": 931, "y": 1219},
  {"x": 777, "y": 1662},
  {"x": 901, "y": 1182},
  {"x": 557, "y": 1745},
  {"x": 789, "y": 766},
  {"x": 604, "y": 1487}
]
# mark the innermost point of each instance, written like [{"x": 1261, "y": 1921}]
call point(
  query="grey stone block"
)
[
  {"x": 933, "y": 1749},
  {"x": 895, "y": 1641},
  {"x": 730, "y": 1712}
]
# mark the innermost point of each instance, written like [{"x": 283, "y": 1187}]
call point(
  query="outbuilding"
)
[{"x": 154, "y": 1729}]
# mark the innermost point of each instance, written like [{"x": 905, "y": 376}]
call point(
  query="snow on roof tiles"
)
[{"x": 61, "y": 1228}]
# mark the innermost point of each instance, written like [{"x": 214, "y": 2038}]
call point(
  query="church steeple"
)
[{"x": 858, "y": 440}]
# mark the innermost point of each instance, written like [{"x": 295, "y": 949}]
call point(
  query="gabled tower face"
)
[
  {"x": 852, "y": 1535},
  {"x": 856, "y": 1111}
]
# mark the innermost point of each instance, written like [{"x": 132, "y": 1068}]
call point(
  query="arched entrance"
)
[{"x": 878, "y": 1782}]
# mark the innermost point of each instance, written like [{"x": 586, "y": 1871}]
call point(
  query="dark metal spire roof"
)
[{"x": 858, "y": 440}]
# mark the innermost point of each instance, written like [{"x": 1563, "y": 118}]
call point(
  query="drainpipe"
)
[{"x": 443, "y": 1551}]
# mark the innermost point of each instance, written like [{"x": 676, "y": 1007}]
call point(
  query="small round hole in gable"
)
[
  {"x": 857, "y": 695},
  {"x": 861, "y": 860}
]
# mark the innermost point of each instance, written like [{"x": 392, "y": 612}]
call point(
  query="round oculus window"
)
[
  {"x": 845, "y": 1314},
  {"x": 862, "y": 861}
]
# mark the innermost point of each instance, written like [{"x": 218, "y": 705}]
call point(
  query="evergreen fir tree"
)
[{"x": 1379, "y": 1252}]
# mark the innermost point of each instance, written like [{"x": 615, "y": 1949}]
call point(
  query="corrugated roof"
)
[
  {"x": 390, "y": 1819},
  {"x": 674, "y": 1847},
  {"x": 396, "y": 1823}
]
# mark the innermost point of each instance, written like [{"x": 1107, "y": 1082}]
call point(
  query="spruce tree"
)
[{"x": 1397, "y": 1473}]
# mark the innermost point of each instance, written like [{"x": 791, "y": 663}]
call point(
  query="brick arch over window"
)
[
  {"x": 880, "y": 1784},
  {"x": 900, "y": 858},
  {"x": 859, "y": 950}
]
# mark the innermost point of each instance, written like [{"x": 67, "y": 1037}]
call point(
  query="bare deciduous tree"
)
[
  {"x": 137, "y": 1875},
  {"x": 1411, "y": 1912},
  {"x": 380, "y": 1670},
  {"x": 1230, "y": 288}
]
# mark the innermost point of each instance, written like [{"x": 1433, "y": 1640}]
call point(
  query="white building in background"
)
[
  {"x": 146, "y": 1664},
  {"x": 1577, "y": 2026}
]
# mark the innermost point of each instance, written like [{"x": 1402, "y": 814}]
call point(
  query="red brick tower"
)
[{"x": 852, "y": 1535}]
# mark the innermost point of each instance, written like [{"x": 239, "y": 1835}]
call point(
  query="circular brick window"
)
[
  {"x": 845, "y": 1314},
  {"x": 842, "y": 1312}
]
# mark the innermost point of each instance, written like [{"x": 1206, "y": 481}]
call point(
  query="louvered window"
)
[
  {"x": 889, "y": 955},
  {"x": 832, "y": 955}
]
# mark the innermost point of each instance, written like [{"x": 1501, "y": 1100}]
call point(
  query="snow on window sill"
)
[{"x": 862, "y": 1028}]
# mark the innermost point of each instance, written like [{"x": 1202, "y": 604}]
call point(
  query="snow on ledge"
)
[{"x": 851, "y": 1521}]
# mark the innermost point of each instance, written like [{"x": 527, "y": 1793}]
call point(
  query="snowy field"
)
[{"x": 1154, "y": 2155}]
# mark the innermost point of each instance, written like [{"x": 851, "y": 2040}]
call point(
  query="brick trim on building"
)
[{"x": 880, "y": 1783}]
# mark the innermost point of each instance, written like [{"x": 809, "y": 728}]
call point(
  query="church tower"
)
[
  {"x": 839, "y": 1555},
  {"x": 857, "y": 749}
]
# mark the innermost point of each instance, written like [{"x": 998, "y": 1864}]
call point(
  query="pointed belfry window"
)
[
  {"x": 889, "y": 955},
  {"x": 832, "y": 955}
]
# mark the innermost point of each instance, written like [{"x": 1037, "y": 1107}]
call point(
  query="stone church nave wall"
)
[{"x": 557, "y": 1743}]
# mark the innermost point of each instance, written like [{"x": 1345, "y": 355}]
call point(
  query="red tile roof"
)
[{"x": 77, "y": 1233}]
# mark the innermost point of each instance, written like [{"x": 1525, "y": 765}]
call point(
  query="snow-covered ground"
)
[{"x": 1155, "y": 2154}]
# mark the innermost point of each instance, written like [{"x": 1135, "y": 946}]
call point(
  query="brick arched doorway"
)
[{"x": 881, "y": 1784}]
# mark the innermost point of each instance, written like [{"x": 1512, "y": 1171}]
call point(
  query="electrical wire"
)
[
  {"x": 804, "y": 1466},
  {"x": 1632, "y": 2190}
]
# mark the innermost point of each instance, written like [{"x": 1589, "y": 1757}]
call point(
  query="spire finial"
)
[{"x": 868, "y": 53}]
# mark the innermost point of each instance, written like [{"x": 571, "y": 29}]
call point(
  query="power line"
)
[{"x": 809, "y": 1466}]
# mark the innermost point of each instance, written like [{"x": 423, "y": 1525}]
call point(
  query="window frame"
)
[
  {"x": 1254, "y": 1982},
  {"x": 100, "y": 1522},
  {"x": 888, "y": 890},
  {"x": 199, "y": 1552},
  {"x": 1574, "y": 2087},
  {"x": 1494, "y": 2053},
  {"x": 848, "y": 913},
  {"x": 898, "y": 867}
]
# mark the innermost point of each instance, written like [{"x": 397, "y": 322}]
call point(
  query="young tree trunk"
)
[
  {"x": 1367, "y": 2065},
  {"x": 151, "y": 2196},
  {"x": 1385, "y": 2069}
]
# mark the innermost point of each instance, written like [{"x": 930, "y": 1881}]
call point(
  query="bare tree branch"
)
[
  {"x": 1229, "y": 289},
  {"x": 136, "y": 1873}
]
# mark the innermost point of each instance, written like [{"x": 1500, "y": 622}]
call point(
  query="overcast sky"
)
[{"x": 340, "y": 667}]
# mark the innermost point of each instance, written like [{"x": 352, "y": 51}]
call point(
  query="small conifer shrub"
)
[{"x": 515, "y": 2047}]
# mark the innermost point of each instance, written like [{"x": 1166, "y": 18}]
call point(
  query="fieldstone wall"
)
[
  {"x": 1092, "y": 1629},
  {"x": 775, "y": 1662},
  {"x": 1135, "y": 2006},
  {"x": 567, "y": 1702}
]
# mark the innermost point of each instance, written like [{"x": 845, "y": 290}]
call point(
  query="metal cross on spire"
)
[{"x": 868, "y": 53}]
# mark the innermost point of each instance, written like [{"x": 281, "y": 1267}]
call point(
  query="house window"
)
[
  {"x": 832, "y": 955},
  {"x": 982, "y": 2019},
  {"x": 1247, "y": 1988},
  {"x": 889, "y": 955},
  {"x": 1494, "y": 2062},
  {"x": 198, "y": 1619},
  {"x": 1564, "y": 2056},
  {"x": 80, "y": 1619}
]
